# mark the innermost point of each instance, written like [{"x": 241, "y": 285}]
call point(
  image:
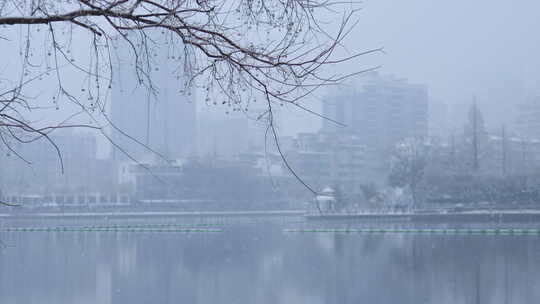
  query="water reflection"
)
[{"x": 261, "y": 264}]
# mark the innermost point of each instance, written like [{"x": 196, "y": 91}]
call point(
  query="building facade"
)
[
  {"x": 41, "y": 170},
  {"x": 329, "y": 160},
  {"x": 380, "y": 110},
  {"x": 159, "y": 119}
]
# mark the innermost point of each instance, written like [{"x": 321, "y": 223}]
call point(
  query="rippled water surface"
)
[{"x": 260, "y": 262}]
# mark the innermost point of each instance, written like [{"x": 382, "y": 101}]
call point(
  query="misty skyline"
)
[
  {"x": 459, "y": 49},
  {"x": 269, "y": 151}
]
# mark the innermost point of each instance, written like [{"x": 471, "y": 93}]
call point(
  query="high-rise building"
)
[
  {"x": 162, "y": 119},
  {"x": 222, "y": 135},
  {"x": 237, "y": 132},
  {"x": 37, "y": 167},
  {"x": 380, "y": 110}
]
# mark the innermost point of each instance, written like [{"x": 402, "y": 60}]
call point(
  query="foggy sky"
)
[{"x": 458, "y": 48}]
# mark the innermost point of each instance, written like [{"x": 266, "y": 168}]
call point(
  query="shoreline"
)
[
  {"x": 148, "y": 214},
  {"x": 472, "y": 217}
]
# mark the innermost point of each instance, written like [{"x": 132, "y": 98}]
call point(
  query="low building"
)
[
  {"x": 243, "y": 181},
  {"x": 37, "y": 168},
  {"x": 331, "y": 159}
]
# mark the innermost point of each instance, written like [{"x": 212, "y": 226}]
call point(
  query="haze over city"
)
[{"x": 265, "y": 151}]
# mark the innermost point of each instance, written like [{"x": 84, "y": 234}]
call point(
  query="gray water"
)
[{"x": 261, "y": 263}]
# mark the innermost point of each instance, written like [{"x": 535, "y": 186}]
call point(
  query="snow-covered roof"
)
[{"x": 328, "y": 190}]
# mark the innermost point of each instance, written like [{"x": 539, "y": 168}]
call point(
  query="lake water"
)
[{"x": 260, "y": 262}]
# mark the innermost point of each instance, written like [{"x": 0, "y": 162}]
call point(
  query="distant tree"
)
[
  {"x": 369, "y": 191},
  {"x": 475, "y": 136},
  {"x": 408, "y": 165},
  {"x": 239, "y": 52}
]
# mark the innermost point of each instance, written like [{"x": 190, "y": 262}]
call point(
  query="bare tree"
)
[
  {"x": 409, "y": 163},
  {"x": 238, "y": 51}
]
